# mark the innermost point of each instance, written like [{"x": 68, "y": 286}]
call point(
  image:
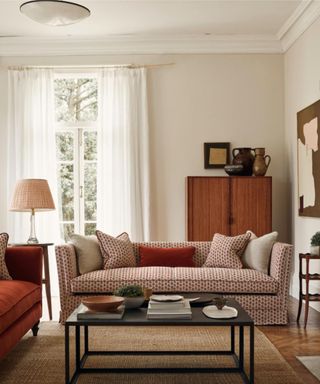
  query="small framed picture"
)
[{"x": 216, "y": 155}]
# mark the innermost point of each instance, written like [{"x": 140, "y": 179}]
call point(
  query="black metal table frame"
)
[{"x": 81, "y": 360}]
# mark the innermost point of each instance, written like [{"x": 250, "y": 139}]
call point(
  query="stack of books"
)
[
  {"x": 169, "y": 310},
  {"x": 86, "y": 314}
]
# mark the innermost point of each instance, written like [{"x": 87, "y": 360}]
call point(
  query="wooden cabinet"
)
[{"x": 227, "y": 205}]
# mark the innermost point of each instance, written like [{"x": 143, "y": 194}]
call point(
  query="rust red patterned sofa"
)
[
  {"x": 265, "y": 297},
  {"x": 21, "y": 297}
]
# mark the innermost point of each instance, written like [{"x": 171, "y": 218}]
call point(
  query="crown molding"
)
[
  {"x": 304, "y": 16},
  {"x": 170, "y": 44},
  {"x": 301, "y": 19}
]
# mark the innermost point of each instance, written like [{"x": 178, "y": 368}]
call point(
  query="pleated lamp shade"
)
[{"x": 32, "y": 195}]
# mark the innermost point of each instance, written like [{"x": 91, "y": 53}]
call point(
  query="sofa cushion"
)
[
  {"x": 258, "y": 251},
  {"x": 223, "y": 280},
  {"x": 157, "y": 278},
  {"x": 225, "y": 251},
  {"x": 16, "y": 298},
  {"x": 4, "y": 273},
  {"x": 117, "y": 252},
  {"x": 166, "y": 257},
  {"x": 89, "y": 257},
  {"x": 178, "y": 279}
]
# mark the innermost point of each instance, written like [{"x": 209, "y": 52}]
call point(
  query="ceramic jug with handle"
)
[{"x": 261, "y": 162}]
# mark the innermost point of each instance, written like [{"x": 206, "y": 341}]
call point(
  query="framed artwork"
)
[
  {"x": 216, "y": 155},
  {"x": 309, "y": 160}
]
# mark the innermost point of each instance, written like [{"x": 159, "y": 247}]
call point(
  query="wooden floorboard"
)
[{"x": 293, "y": 339}]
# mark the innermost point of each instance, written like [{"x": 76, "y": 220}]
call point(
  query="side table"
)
[
  {"x": 307, "y": 276},
  {"x": 46, "y": 279}
]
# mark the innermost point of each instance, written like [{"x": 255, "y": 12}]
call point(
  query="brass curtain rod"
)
[{"x": 84, "y": 67}]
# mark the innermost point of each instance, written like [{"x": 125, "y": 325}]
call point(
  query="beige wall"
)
[
  {"x": 233, "y": 98},
  {"x": 302, "y": 88}
]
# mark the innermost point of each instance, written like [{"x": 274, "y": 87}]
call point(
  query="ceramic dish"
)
[
  {"x": 133, "y": 302},
  {"x": 103, "y": 303},
  {"x": 231, "y": 169},
  {"x": 225, "y": 313},
  {"x": 166, "y": 298},
  {"x": 197, "y": 301}
]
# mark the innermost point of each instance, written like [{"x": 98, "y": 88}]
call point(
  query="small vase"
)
[
  {"x": 243, "y": 156},
  {"x": 314, "y": 250},
  {"x": 261, "y": 162}
]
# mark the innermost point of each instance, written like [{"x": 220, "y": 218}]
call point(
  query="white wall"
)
[
  {"x": 302, "y": 88},
  {"x": 202, "y": 98}
]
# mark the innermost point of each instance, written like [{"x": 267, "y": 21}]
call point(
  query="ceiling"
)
[{"x": 162, "y": 26}]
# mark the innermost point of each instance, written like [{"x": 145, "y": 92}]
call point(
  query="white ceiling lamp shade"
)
[{"x": 54, "y": 12}]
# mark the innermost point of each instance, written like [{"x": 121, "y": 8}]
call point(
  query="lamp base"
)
[{"x": 33, "y": 240}]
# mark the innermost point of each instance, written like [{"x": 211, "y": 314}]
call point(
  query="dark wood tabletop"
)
[{"x": 139, "y": 317}]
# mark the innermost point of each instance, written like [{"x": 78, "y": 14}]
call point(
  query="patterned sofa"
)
[{"x": 265, "y": 297}]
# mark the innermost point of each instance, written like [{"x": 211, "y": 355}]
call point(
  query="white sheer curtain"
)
[
  {"x": 123, "y": 163},
  {"x": 31, "y": 144}
]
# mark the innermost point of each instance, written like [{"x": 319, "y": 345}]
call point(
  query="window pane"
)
[
  {"x": 90, "y": 191},
  {"x": 90, "y": 145},
  {"x": 76, "y": 100},
  {"x": 90, "y": 228},
  {"x": 67, "y": 230},
  {"x": 64, "y": 146},
  {"x": 66, "y": 192}
]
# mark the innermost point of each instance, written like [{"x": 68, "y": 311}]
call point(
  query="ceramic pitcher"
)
[
  {"x": 244, "y": 157},
  {"x": 261, "y": 162}
]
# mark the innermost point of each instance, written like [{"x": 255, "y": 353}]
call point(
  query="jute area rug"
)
[
  {"x": 38, "y": 360},
  {"x": 312, "y": 363}
]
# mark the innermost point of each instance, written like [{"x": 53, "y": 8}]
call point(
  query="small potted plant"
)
[
  {"x": 315, "y": 244},
  {"x": 133, "y": 295}
]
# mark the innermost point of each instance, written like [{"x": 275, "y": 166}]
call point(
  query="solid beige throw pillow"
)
[
  {"x": 4, "y": 273},
  {"x": 89, "y": 257},
  {"x": 257, "y": 254},
  {"x": 225, "y": 251},
  {"x": 117, "y": 252}
]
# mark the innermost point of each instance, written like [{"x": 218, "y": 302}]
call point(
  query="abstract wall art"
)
[{"x": 309, "y": 160}]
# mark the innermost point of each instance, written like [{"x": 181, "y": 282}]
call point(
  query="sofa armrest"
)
[
  {"x": 25, "y": 263},
  {"x": 66, "y": 266},
  {"x": 280, "y": 265}
]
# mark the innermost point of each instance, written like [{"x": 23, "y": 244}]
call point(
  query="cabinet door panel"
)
[
  {"x": 251, "y": 205},
  {"x": 207, "y": 207}
]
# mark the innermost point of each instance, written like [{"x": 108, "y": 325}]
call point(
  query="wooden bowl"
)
[{"x": 103, "y": 303}]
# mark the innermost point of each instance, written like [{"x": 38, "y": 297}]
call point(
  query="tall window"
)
[{"x": 76, "y": 116}]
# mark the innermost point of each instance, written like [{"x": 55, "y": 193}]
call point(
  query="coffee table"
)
[{"x": 137, "y": 317}]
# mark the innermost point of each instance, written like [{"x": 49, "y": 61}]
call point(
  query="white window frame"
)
[{"x": 77, "y": 129}]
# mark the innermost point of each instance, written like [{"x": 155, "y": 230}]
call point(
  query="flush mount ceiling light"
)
[{"x": 54, "y": 12}]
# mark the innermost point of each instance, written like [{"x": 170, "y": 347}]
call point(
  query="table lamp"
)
[{"x": 31, "y": 195}]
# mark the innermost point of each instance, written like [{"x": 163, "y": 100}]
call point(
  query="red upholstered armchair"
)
[{"x": 21, "y": 297}]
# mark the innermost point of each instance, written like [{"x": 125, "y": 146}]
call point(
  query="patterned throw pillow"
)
[
  {"x": 117, "y": 252},
  {"x": 225, "y": 251},
  {"x": 4, "y": 273}
]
